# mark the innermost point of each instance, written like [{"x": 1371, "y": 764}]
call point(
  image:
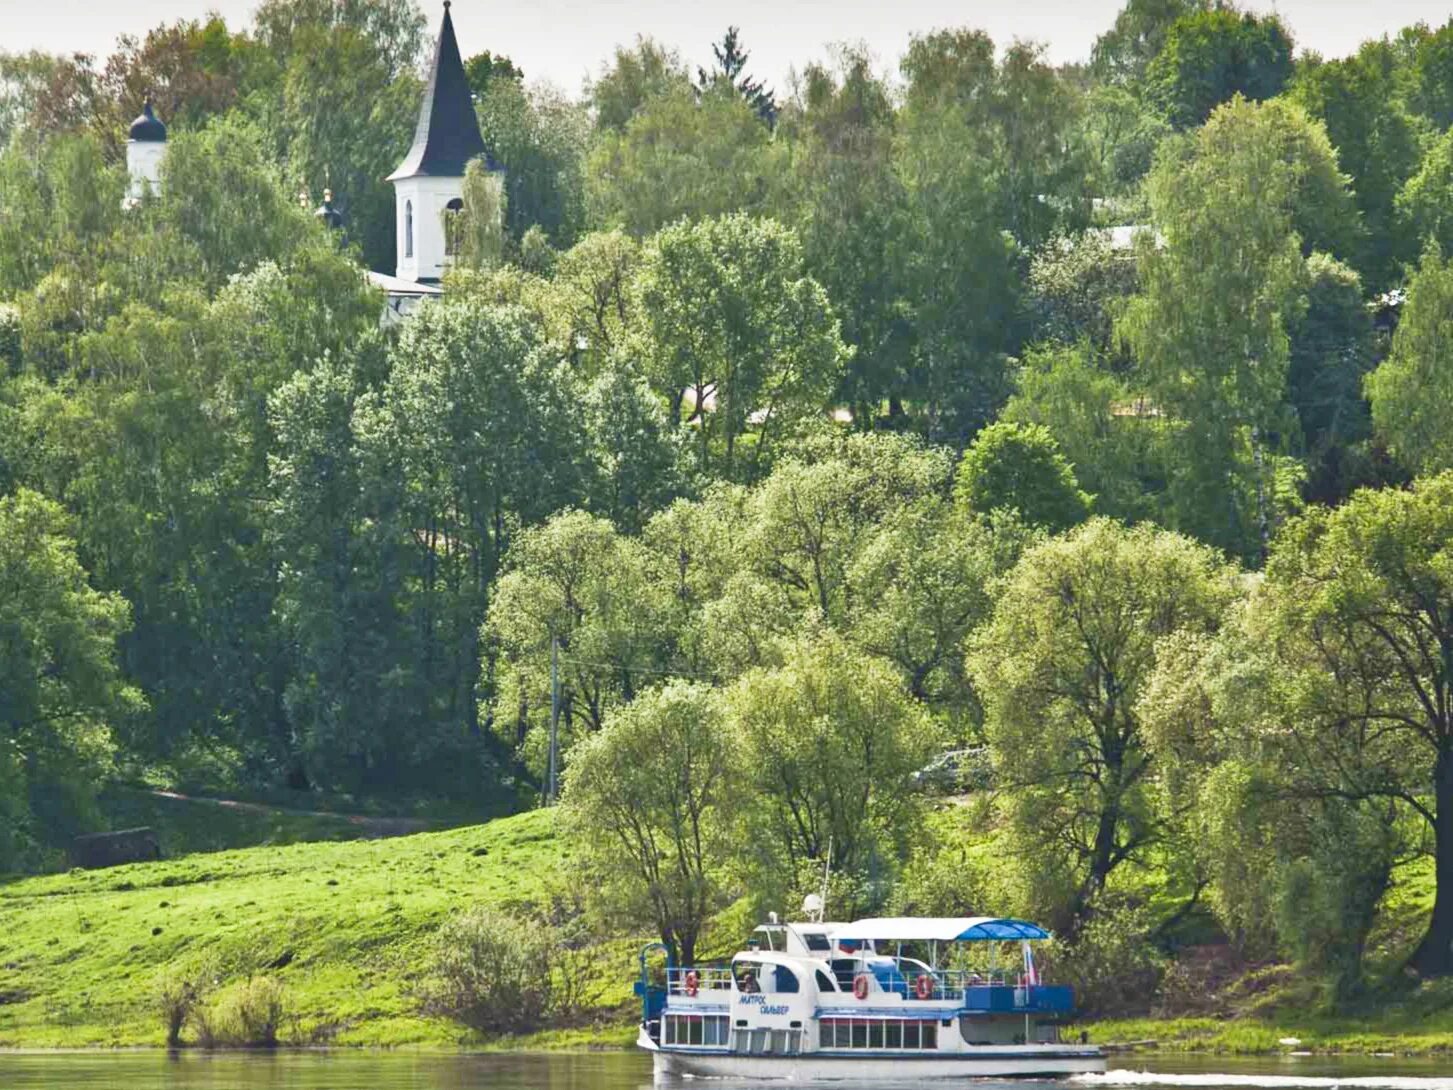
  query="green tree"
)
[
  {"x": 395, "y": 27},
  {"x": 1234, "y": 206},
  {"x": 652, "y": 798},
  {"x": 635, "y": 77},
  {"x": 471, "y": 435},
  {"x": 1358, "y": 602},
  {"x": 1331, "y": 353},
  {"x": 1411, "y": 390},
  {"x": 1377, "y": 145},
  {"x": 1061, "y": 667},
  {"x": 350, "y": 710},
  {"x": 959, "y": 266},
  {"x": 1108, "y": 434},
  {"x": 1122, "y": 54},
  {"x": 539, "y": 138},
  {"x": 60, "y": 686},
  {"x": 1077, "y": 287},
  {"x": 344, "y": 122},
  {"x": 1432, "y": 73},
  {"x": 577, "y": 583},
  {"x": 830, "y": 739},
  {"x": 731, "y": 320},
  {"x": 1121, "y": 132},
  {"x": 1422, "y": 204},
  {"x": 923, "y": 581},
  {"x": 1289, "y": 867},
  {"x": 1212, "y": 55},
  {"x": 729, "y": 71},
  {"x": 635, "y": 454},
  {"x": 224, "y": 206},
  {"x": 484, "y": 68},
  {"x": 848, "y": 203},
  {"x": 592, "y": 292},
  {"x": 1019, "y": 467},
  {"x": 680, "y": 155}
]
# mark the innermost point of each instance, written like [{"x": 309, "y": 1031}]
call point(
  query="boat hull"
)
[{"x": 984, "y": 1062}]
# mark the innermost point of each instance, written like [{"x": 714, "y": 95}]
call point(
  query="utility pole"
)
[{"x": 552, "y": 786}]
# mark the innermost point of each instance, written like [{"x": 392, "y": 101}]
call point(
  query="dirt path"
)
[{"x": 375, "y": 826}]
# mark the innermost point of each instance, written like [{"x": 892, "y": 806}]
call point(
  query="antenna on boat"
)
[{"x": 826, "y": 874}]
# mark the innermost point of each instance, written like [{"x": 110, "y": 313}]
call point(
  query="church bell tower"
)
[{"x": 429, "y": 183}]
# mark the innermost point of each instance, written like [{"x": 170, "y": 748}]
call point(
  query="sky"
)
[{"x": 564, "y": 41}]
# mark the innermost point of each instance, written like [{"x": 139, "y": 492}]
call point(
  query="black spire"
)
[
  {"x": 147, "y": 127},
  {"x": 447, "y": 136}
]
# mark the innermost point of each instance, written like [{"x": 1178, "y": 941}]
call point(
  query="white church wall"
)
[{"x": 421, "y": 202}]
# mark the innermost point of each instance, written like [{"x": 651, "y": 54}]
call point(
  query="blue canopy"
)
[{"x": 940, "y": 929}]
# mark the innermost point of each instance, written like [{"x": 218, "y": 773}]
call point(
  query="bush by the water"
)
[
  {"x": 492, "y": 971},
  {"x": 246, "y": 1014},
  {"x": 178, "y": 997},
  {"x": 1113, "y": 964}
]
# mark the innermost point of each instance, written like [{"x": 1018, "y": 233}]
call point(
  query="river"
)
[{"x": 629, "y": 1071}]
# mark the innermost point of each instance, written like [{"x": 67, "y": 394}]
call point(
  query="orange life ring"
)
[
  {"x": 860, "y": 986},
  {"x": 693, "y": 982},
  {"x": 923, "y": 986}
]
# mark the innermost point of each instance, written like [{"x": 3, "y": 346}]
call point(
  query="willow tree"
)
[
  {"x": 1061, "y": 667},
  {"x": 651, "y": 799},
  {"x": 1360, "y": 617}
]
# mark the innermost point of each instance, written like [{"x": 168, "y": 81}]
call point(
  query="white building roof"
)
[{"x": 396, "y": 286}]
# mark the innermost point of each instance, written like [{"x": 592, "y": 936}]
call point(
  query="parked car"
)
[{"x": 956, "y": 772}]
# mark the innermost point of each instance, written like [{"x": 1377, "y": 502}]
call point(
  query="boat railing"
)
[
  {"x": 954, "y": 983},
  {"x": 693, "y": 981},
  {"x": 991, "y": 991}
]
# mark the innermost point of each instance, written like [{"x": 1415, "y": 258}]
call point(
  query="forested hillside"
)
[{"x": 1089, "y": 422}]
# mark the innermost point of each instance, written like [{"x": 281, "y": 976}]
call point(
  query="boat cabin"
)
[{"x": 901, "y": 986}]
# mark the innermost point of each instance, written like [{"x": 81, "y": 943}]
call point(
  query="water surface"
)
[{"x": 632, "y": 1071}]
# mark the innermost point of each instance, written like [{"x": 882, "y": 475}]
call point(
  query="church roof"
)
[
  {"x": 147, "y": 127},
  {"x": 447, "y": 136}
]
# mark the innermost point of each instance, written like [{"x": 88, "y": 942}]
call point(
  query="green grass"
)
[
  {"x": 81, "y": 953},
  {"x": 346, "y": 927},
  {"x": 184, "y": 826},
  {"x": 1393, "y": 1030}
]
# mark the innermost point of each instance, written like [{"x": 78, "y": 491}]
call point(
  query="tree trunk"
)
[
  {"x": 1434, "y": 955},
  {"x": 1101, "y": 860}
]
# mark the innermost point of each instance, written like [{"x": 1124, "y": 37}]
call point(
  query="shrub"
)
[
  {"x": 179, "y": 996},
  {"x": 491, "y": 971},
  {"x": 1113, "y": 964},
  {"x": 175, "y": 999},
  {"x": 247, "y": 1013}
]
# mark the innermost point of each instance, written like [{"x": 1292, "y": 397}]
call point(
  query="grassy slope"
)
[
  {"x": 184, "y": 826},
  {"x": 80, "y": 953}
]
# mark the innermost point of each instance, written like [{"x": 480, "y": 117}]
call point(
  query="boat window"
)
[
  {"x": 824, "y": 982},
  {"x": 884, "y": 1033},
  {"x": 748, "y": 975},
  {"x": 696, "y": 1029},
  {"x": 786, "y": 980},
  {"x": 816, "y": 940}
]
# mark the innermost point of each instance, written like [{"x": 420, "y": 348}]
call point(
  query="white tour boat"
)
[{"x": 862, "y": 1001}]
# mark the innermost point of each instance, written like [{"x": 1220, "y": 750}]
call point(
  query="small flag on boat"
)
[{"x": 1031, "y": 974}]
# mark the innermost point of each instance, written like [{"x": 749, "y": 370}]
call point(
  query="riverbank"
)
[
  {"x": 1392, "y": 1034},
  {"x": 345, "y": 928}
]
